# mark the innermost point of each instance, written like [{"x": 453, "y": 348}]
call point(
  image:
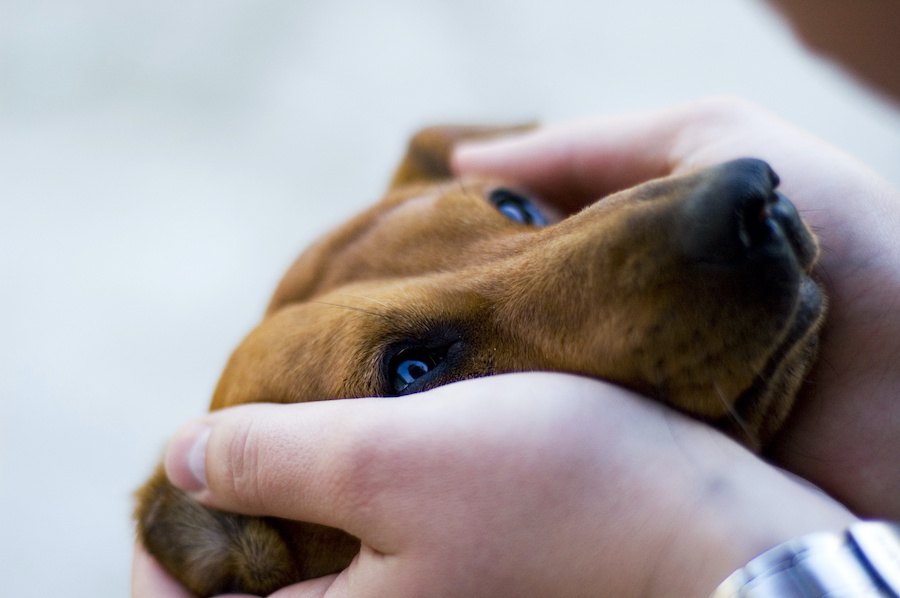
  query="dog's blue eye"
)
[
  {"x": 410, "y": 365},
  {"x": 409, "y": 371},
  {"x": 517, "y": 207}
]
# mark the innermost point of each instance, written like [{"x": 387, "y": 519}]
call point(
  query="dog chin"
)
[{"x": 762, "y": 409}]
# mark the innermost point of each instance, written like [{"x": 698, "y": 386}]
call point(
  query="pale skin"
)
[
  {"x": 523, "y": 485},
  {"x": 548, "y": 484}
]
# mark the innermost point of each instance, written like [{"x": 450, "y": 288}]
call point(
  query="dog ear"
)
[{"x": 428, "y": 155}]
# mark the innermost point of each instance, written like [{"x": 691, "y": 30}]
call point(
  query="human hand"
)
[
  {"x": 844, "y": 434},
  {"x": 515, "y": 485}
]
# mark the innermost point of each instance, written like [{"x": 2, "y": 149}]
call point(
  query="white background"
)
[{"x": 162, "y": 162}]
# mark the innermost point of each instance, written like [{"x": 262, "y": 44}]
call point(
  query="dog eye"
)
[
  {"x": 517, "y": 207},
  {"x": 410, "y": 365}
]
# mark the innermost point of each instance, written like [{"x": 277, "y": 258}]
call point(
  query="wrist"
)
[{"x": 743, "y": 508}]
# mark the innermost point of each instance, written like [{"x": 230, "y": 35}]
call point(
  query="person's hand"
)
[
  {"x": 516, "y": 485},
  {"x": 845, "y": 431}
]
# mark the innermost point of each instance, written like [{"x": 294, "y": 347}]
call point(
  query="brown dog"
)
[{"x": 691, "y": 289}]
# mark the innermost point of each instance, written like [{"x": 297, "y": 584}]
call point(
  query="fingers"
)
[
  {"x": 575, "y": 163},
  {"x": 291, "y": 461},
  {"x": 363, "y": 465},
  {"x": 569, "y": 164},
  {"x": 579, "y": 161}
]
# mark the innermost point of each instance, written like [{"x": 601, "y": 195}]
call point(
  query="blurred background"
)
[{"x": 162, "y": 162}]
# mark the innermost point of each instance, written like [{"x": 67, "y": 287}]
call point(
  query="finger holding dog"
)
[{"x": 503, "y": 486}]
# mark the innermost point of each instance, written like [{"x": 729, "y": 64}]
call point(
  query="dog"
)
[{"x": 692, "y": 289}]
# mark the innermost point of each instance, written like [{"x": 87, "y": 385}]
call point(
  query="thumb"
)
[{"x": 266, "y": 459}]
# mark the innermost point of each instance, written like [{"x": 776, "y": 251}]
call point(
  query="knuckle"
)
[{"x": 240, "y": 475}]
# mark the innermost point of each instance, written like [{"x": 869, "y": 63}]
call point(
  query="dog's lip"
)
[
  {"x": 785, "y": 215},
  {"x": 810, "y": 309},
  {"x": 811, "y": 305}
]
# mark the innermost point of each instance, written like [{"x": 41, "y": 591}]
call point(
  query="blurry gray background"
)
[{"x": 162, "y": 162}]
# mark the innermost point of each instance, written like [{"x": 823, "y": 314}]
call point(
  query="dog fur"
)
[{"x": 692, "y": 289}]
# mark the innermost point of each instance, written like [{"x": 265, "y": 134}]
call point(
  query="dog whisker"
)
[
  {"x": 733, "y": 415},
  {"x": 826, "y": 276},
  {"x": 468, "y": 191},
  {"x": 824, "y": 362},
  {"x": 352, "y": 308},
  {"x": 370, "y": 299},
  {"x": 659, "y": 386},
  {"x": 825, "y": 247}
]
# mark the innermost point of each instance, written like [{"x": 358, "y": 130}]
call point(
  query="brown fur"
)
[{"x": 650, "y": 288}]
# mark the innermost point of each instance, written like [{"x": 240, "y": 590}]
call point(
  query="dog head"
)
[{"x": 691, "y": 289}]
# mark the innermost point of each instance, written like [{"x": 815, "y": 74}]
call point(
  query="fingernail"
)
[{"x": 186, "y": 457}]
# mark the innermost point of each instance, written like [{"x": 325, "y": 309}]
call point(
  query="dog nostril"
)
[
  {"x": 754, "y": 219},
  {"x": 731, "y": 218}
]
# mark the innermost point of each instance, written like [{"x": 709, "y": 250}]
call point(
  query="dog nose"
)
[{"x": 734, "y": 216}]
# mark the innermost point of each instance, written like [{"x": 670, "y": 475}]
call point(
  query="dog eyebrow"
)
[
  {"x": 367, "y": 298},
  {"x": 352, "y": 308}
]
